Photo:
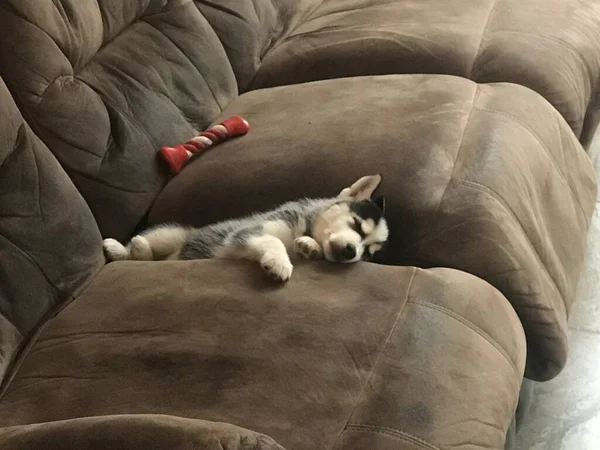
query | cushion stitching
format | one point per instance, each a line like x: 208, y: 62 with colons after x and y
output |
x: 458, y: 151
x: 469, y: 324
x: 190, y: 61
x: 571, y: 50
x: 72, y: 171
x: 18, y: 141
x: 35, y: 263
x: 495, y: 196
x: 383, y: 348
x: 283, y: 39
x: 133, y: 21
x: 226, y: 10
x: 546, y: 151
x: 126, y: 116
x: 15, y: 13
x: 483, y: 32
x: 402, y: 435
x: 39, y: 185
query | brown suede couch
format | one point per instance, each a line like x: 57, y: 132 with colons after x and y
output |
x: 477, y: 113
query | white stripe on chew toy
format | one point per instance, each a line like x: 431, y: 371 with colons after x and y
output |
x: 177, y: 157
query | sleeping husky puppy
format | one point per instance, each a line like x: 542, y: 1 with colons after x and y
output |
x: 344, y: 229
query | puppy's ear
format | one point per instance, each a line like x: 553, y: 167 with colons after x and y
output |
x: 380, y: 202
x: 362, y: 189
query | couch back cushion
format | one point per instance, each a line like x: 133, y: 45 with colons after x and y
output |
x: 50, y: 245
x: 249, y: 29
x: 106, y: 83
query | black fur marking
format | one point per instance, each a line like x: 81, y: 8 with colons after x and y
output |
x: 367, y: 209
x: 356, y: 226
x: 380, y: 202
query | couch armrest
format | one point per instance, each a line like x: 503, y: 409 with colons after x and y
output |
x: 49, y: 241
x: 447, y: 372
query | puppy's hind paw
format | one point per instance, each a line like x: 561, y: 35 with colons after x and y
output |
x: 277, y: 267
x: 308, y: 248
x: 114, y: 250
x: 140, y: 249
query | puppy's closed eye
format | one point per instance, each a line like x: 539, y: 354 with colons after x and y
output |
x: 357, y: 226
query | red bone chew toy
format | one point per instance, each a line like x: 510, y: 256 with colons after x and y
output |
x: 176, y: 157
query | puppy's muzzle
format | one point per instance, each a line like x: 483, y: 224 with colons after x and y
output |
x: 342, y: 253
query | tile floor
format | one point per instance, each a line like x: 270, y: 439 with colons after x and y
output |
x: 566, y: 411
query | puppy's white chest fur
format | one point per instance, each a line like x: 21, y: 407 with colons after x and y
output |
x: 282, y: 231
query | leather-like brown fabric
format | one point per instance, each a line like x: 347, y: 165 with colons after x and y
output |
x: 248, y: 29
x: 387, y: 353
x: 106, y: 83
x: 50, y: 245
x: 133, y: 432
x: 551, y: 46
x: 472, y: 173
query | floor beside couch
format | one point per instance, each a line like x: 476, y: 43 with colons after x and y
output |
x: 565, y: 414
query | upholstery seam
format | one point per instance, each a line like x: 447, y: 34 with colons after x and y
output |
x: 500, y: 200
x: 105, y: 101
x: 39, y: 185
x: 210, y: 89
x: 225, y: 48
x: 282, y: 40
x: 383, y: 349
x: 36, y: 264
x: 32, y: 337
x: 470, y: 325
x: 360, y: 9
x: 458, y: 151
x: 567, y: 47
x: 14, y: 147
x: 133, y: 21
x: 224, y: 9
x: 102, y: 182
x: 548, y: 154
x: 28, y: 343
x: 483, y: 33
x: 393, y: 432
x: 25, y: 19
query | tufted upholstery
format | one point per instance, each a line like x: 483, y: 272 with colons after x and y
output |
x: 551, y: 46
x: 105, y: 84
x: 42, y: 220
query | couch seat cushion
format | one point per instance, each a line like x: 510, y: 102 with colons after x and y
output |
x: 488, y: 179
x: 551, y: 46
x: 341, y: 354
x: 133, y: 432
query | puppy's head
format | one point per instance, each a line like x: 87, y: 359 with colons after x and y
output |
x: 354, y: 228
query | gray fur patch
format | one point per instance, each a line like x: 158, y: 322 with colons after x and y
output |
x: 203, y: 243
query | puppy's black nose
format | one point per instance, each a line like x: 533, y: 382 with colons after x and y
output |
x: 349, y: 251
x: 344, y: 253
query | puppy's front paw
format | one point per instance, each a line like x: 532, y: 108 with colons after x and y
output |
x: 277, y: 267
x: 308, y: 248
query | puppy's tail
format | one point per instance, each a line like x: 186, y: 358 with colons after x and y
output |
x: 159, y: 243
